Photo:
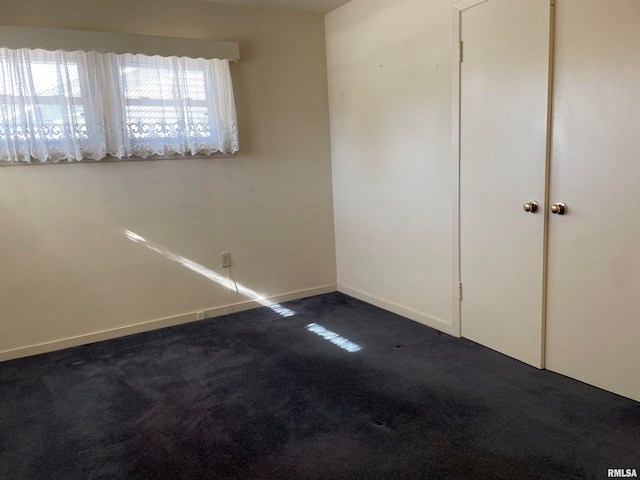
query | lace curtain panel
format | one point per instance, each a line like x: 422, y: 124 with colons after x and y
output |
x: 87, y: 105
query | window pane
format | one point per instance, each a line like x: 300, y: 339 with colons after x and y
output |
x: 195, y: 84
x: 158, y: 82
x: 41, y: 79
x: 78, y: 102
x: 165, y: 100
x: 50, y: 79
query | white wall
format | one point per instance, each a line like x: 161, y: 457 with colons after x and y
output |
x: 67, y: 270
x: 390, y: 108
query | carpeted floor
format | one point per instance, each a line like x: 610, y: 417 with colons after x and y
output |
x: 259, y: 395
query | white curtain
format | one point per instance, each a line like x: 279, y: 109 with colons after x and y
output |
x: 75, y: 105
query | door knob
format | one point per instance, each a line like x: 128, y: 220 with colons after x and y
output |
x: 531, y: 207
x: 559, y: 208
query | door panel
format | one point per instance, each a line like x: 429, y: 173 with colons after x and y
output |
x: 593, y: 317
x: 503, y: 138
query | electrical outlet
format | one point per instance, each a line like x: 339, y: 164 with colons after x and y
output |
x: 200, y: 316
x: 225, y: 259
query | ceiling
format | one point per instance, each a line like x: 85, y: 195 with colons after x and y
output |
x: 319, y: 6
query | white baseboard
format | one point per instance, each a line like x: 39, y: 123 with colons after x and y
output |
x: 156, y: 324
x: 428, y: 320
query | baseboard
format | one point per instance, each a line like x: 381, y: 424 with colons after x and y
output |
x: 156, y: 324
x: 428, y: 320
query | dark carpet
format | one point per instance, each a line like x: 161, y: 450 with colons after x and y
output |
x: 257, y: 395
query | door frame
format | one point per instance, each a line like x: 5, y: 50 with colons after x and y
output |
x: 457, y: 53
x: 457, y: 8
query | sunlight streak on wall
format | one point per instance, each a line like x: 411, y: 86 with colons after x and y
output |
x: 211, y: 275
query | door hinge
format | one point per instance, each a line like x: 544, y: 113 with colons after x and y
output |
x: 460, y: 291
x: 461, y: 50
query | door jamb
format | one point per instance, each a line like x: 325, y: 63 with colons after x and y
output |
x: 458, y: 8
x: 547, y: 179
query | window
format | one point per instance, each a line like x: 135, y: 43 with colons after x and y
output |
x: 77, y: 105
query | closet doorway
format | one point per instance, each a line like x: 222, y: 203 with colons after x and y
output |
x: 504, y: 92
x: 557, y: 286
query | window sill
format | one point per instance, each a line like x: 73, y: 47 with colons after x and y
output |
x: 110, y: 159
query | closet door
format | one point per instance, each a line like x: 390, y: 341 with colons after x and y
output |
x: 503, y: 142
x: 593, y: 319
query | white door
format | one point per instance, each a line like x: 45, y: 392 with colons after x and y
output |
x: 503, y: 141
x: 593, y: 321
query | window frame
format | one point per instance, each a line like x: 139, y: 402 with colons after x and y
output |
x: 118, y: 43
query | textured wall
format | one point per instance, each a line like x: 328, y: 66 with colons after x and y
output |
x: 67, y: 268
x: 390, y: 104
